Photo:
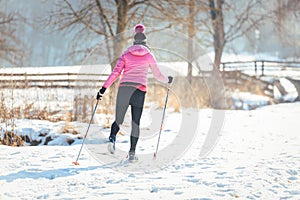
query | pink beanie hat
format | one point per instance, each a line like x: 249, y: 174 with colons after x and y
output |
x: 139, y: 28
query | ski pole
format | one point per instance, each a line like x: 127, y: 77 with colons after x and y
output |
x: 162, y: 121
x: 76, y: 162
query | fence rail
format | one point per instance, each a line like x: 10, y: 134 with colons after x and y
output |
x: 91, y: 79
x: 53, y: 80
x: 264, y: 67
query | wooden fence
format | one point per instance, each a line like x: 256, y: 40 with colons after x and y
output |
x: 51, y: 80
x: 90, y: 80
x: 264, y: 67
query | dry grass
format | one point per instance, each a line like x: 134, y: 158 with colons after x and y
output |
x: 184, y: 93
x: 68, y: 128
x: 12, y: 139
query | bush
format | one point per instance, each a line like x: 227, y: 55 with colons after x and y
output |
x: 12, y: 139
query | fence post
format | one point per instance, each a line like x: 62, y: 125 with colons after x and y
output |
x: 68, y: 79
x: 255, y: 68
x: 262, y: 68
x: 25, y: 80
x: 223, y: 66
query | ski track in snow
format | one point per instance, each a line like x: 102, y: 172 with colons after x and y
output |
x: 256, y: 157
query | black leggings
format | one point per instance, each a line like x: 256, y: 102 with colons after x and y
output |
x: 135, y: 98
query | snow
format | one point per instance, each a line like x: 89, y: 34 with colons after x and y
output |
x: 203, y: 154
x: 248, y: 101
x: 256, y: 156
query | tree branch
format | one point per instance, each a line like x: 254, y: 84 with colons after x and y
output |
x: 104, y: 17
x: 80, y: 19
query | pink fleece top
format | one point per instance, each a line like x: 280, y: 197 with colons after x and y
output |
x: 133, y: 66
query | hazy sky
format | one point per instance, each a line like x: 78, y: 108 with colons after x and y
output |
x: 46, y: 48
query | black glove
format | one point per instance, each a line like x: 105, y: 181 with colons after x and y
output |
x: 170, y: 79
x: 100, y: 93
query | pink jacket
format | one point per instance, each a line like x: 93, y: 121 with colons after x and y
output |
x: 134, y: 64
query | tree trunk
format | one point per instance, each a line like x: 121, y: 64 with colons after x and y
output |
x: 218, y: 29
x: 191, y: 34
x: 218, y: 99
x: 119, y: 40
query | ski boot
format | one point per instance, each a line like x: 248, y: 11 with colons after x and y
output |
x: 132, y: 157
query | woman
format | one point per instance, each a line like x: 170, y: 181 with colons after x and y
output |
x: 133, y: 66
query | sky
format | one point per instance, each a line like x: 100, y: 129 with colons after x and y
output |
x: 48, y: 48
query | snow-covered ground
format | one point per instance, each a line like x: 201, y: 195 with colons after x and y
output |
x: 257, y: 156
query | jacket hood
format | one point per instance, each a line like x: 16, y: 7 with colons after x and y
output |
x: 138, y: 50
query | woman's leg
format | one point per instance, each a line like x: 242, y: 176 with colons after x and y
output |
x: 136, y: 113
x: 122, y: 104
x: 120, y: 115
x: 137, y: 104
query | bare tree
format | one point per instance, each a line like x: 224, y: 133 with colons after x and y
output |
x: 191, y: 33
x: 11, y: 48
x: 212, y: 23
x: 182, y: 16
x: 286, y: 21
x: 217, y: 20
x: 231, y: 20
x: 88, y: 21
